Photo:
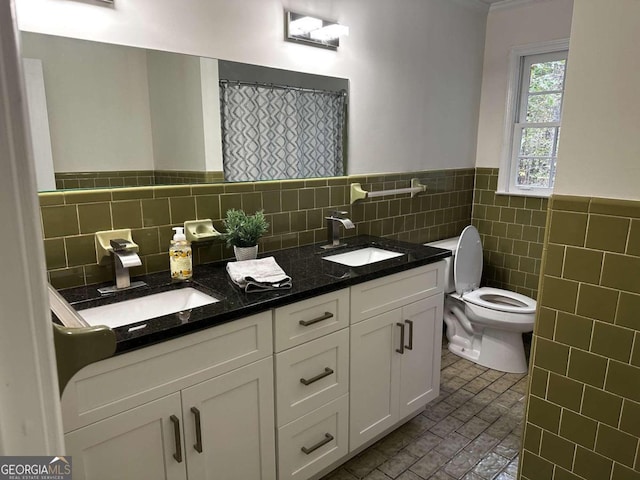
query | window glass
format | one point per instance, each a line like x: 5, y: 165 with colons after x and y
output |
x: 537, y: 127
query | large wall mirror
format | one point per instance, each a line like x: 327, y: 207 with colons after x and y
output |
x: 107, y: 115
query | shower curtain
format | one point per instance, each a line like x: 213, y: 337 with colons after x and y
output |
x: 277, y: 132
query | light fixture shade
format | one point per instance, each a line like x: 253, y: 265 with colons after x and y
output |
x: 313, y: 31
x: 304, y: 25
x: 330, y: 32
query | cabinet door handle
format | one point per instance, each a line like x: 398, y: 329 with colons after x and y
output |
x: 401, y: 349
x: 410, y: 346
x: 326, y: 373
x: 198, y: 444
x: 327, y: 438
x: 176, y: 431
x: 306, y: 323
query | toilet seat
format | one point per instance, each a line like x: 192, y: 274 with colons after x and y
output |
x: 500, y: 300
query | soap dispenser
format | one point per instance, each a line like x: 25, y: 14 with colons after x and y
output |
x: 180, y: 256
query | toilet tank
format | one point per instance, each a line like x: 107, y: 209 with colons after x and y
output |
x: 447, y: 244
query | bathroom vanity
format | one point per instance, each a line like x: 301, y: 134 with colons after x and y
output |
x: 281, y: 384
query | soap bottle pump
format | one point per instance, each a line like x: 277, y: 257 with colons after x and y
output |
x: 180, y: 256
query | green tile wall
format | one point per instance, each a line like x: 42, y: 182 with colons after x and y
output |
x: 133, y: 178
x: 182, y: 177
x: 295, y: 210
x: 583, y: 412
x: 512, y: 229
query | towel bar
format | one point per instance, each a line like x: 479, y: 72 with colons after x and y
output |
x: 357, y: 193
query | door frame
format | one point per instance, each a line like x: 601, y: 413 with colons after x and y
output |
x: 30, y: 417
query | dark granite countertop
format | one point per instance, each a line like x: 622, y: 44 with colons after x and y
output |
x: 311, y: 276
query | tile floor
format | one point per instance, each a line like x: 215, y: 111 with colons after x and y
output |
x: 471, y: 431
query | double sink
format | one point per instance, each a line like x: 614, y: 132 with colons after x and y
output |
x: 144, y: 308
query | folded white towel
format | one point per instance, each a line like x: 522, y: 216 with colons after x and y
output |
x: 258, y: 275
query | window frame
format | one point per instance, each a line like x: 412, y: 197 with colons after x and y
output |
x: 512, y: 123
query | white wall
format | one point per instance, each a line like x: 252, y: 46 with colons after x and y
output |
x: 599, y: 151
x: 211, y: 121
x: 415, y: 69
x: 533, y: 22
x: 98, y: 104
x: 175, y: 97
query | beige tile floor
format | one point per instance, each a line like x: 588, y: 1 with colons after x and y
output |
x: 471, y: 431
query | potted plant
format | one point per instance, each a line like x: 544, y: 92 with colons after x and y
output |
x: 243, y: 231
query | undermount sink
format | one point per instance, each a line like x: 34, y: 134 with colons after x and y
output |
x: 144, y: 308
x: 362, y: 256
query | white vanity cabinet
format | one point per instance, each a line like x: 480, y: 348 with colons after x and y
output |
x: 396, y: 336
x: 197, y: 407
x: 325, y: 376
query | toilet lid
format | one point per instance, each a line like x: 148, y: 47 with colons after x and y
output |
x: 467, y: 264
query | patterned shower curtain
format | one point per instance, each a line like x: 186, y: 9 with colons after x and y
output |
x: 271, y: 133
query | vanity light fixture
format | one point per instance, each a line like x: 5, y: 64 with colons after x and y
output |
x: 314, y: 31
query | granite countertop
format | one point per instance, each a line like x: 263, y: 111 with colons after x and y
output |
x: 311, y: 276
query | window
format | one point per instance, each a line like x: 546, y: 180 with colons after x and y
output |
x: 534, y: 112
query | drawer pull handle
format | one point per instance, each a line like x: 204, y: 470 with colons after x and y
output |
x: 401, y: 349
x: 176, y: 431
x: 327, y: 438
x: 326, y: 373
x: 306, y: 323
x: 410, y: 346
x: 198, y: 444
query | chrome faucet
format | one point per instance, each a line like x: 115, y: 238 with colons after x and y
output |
x: 334, y: 220
x: 123, y: 258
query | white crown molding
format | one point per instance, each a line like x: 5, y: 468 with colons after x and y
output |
x: 504, y: 4
x: 475, y: 4
x: 492, y: 5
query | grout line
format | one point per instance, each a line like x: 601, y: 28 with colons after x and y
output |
x: 626, y: 243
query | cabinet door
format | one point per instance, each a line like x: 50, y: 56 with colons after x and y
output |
x: 236, y: 420
x: 420, y: 366
x: 139, y: 443
x: 375, y: 376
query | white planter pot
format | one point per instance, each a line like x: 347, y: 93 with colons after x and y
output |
x: 245, y: 253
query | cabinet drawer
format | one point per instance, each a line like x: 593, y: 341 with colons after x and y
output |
x: 119, y: 383
x: 310, y: 375
x: 383, y: 294
x: 311, y: 318
x: 323, y: 434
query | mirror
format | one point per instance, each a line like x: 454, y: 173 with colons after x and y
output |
x: 106, y: 115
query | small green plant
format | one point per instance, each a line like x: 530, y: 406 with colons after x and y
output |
x: 244, y: 230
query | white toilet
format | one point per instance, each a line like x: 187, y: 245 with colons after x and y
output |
x: 484, y: 325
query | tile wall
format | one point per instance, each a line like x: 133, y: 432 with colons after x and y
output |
x: 512, y: 229
x: 183, y: 177
x: 295, y: 210
x: 133, y: 178
x: 129, y: 178
x: 583, y: 416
